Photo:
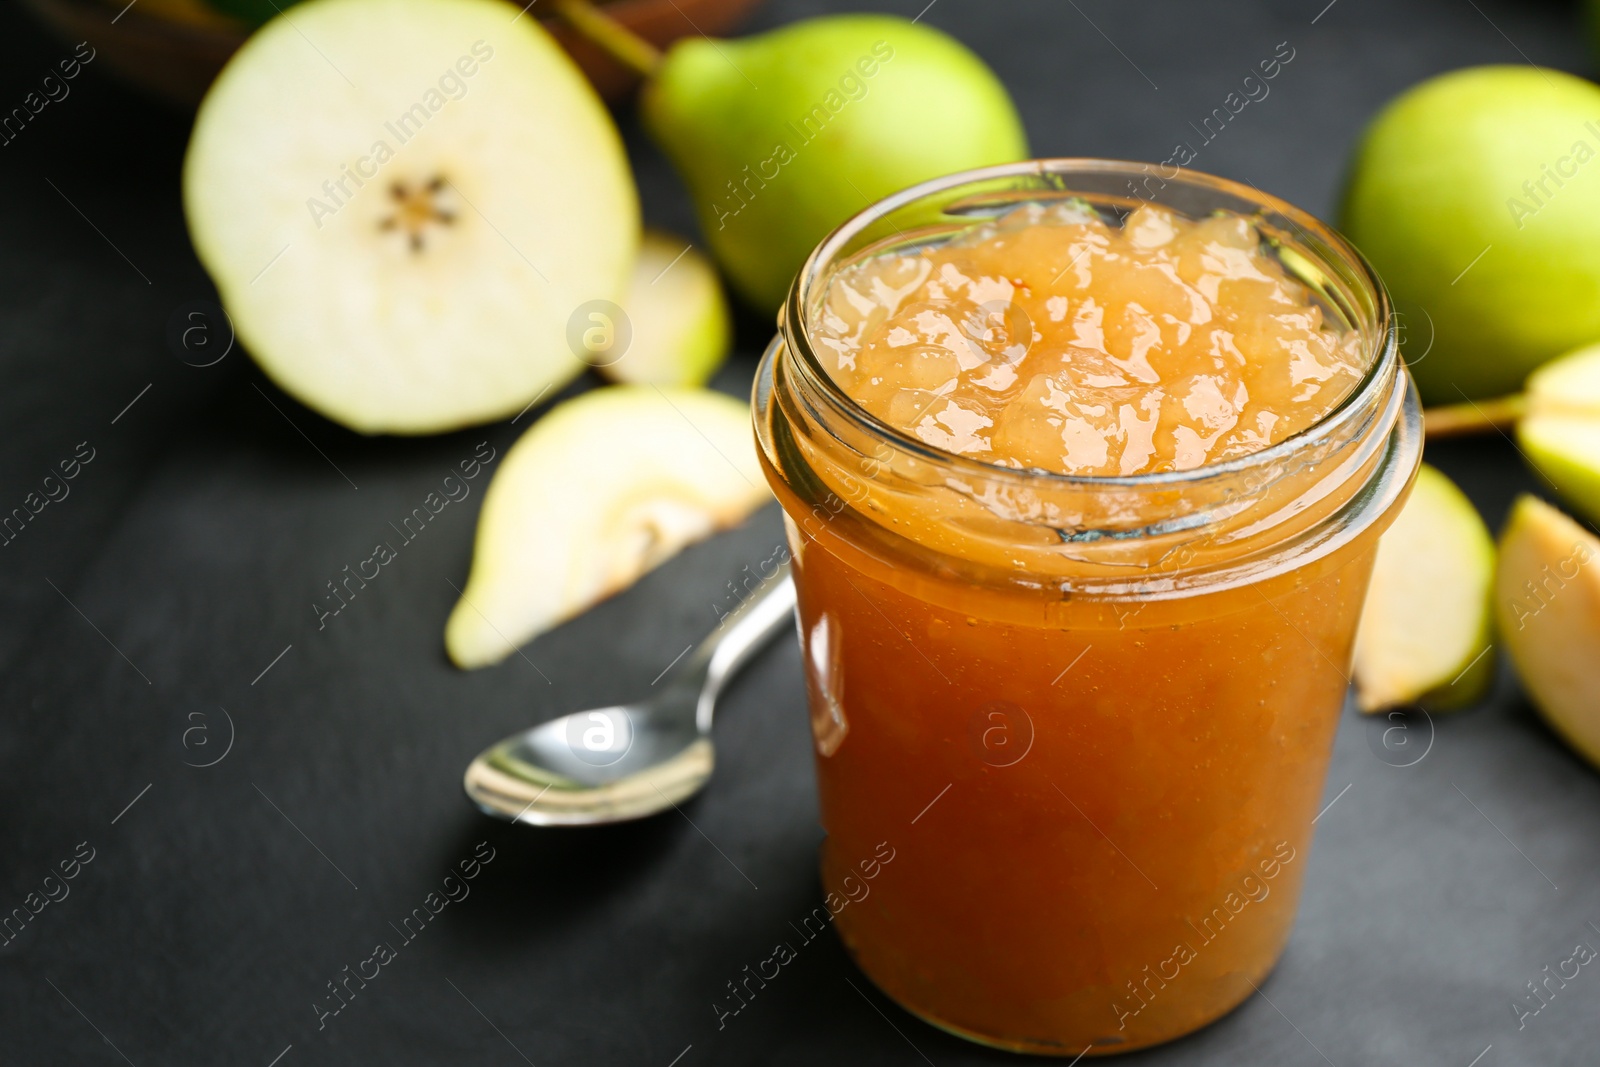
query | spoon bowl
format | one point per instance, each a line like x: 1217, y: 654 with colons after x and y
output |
x: 639, y: 759
x: 627, y: 761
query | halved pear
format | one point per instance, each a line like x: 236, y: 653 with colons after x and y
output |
x: 1427, y: 628
x: 403, y: 203
x: 679, y: 318
x: 1547, y: 598
x: 1560, y: 433
x: 596, y: 493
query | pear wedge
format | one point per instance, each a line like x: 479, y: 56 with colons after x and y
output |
x: 1560, y: 433
x: 679, y: 321
x: 1427, y: 626
x: 596, y: 493
x: 1547, y: 599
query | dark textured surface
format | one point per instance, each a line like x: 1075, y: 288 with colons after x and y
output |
x: 208, y: 923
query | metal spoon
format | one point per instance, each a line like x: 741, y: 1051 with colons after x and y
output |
x: 632, y: 760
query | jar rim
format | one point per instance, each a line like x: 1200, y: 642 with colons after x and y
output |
x: 795, y: 327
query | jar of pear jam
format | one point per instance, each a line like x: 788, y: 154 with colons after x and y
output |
x: 1083, y: 464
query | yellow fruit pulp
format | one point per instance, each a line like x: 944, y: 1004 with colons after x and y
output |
x: 1049, y: 339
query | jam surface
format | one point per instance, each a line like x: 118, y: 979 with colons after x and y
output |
x: 1050, y: 339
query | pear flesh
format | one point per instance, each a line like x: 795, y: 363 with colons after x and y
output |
x: 1547, y: 597
x: 1560, y: 433
x: 403, y: 219
x: 678, y: 321
x: 1426, y: 628
x: 782, y: 136
x: 596, y: 493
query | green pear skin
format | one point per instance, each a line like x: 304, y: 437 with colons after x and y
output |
x: 1476, y: 195
x: 782, y: 136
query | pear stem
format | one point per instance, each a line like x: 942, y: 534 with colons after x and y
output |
x: 610, y: 36
x: 1458, y: 420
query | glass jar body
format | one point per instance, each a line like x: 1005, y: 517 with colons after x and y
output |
x: 1099, y: 831
x: 1094, y: 795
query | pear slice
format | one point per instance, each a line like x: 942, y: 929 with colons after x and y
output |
x: 404, y: 203
x: 678, y: 317
x: 1427, y: 626
x: 1547, y: 598
x: 1561, y: 431
x: 596, y: 493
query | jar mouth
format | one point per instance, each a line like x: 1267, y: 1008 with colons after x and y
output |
x: 1340, y: 274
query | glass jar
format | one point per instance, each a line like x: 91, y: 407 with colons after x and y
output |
x: 1071, y: 732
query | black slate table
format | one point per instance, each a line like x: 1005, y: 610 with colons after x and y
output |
x: 158, y: 618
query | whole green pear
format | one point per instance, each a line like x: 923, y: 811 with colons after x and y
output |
x: 1476, y: 195
x: 782, y: 136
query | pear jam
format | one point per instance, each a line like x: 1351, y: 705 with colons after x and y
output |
x: 1049, y: 339
x: 1075, y: 642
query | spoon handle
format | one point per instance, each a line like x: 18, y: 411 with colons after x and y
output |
x: 742, y: 632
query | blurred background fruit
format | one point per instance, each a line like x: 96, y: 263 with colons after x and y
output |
x: 174, y: 48
x: 1560, y: 432
x: 679, y: 326
x: 1472, y: 196
x: 834, y: 114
